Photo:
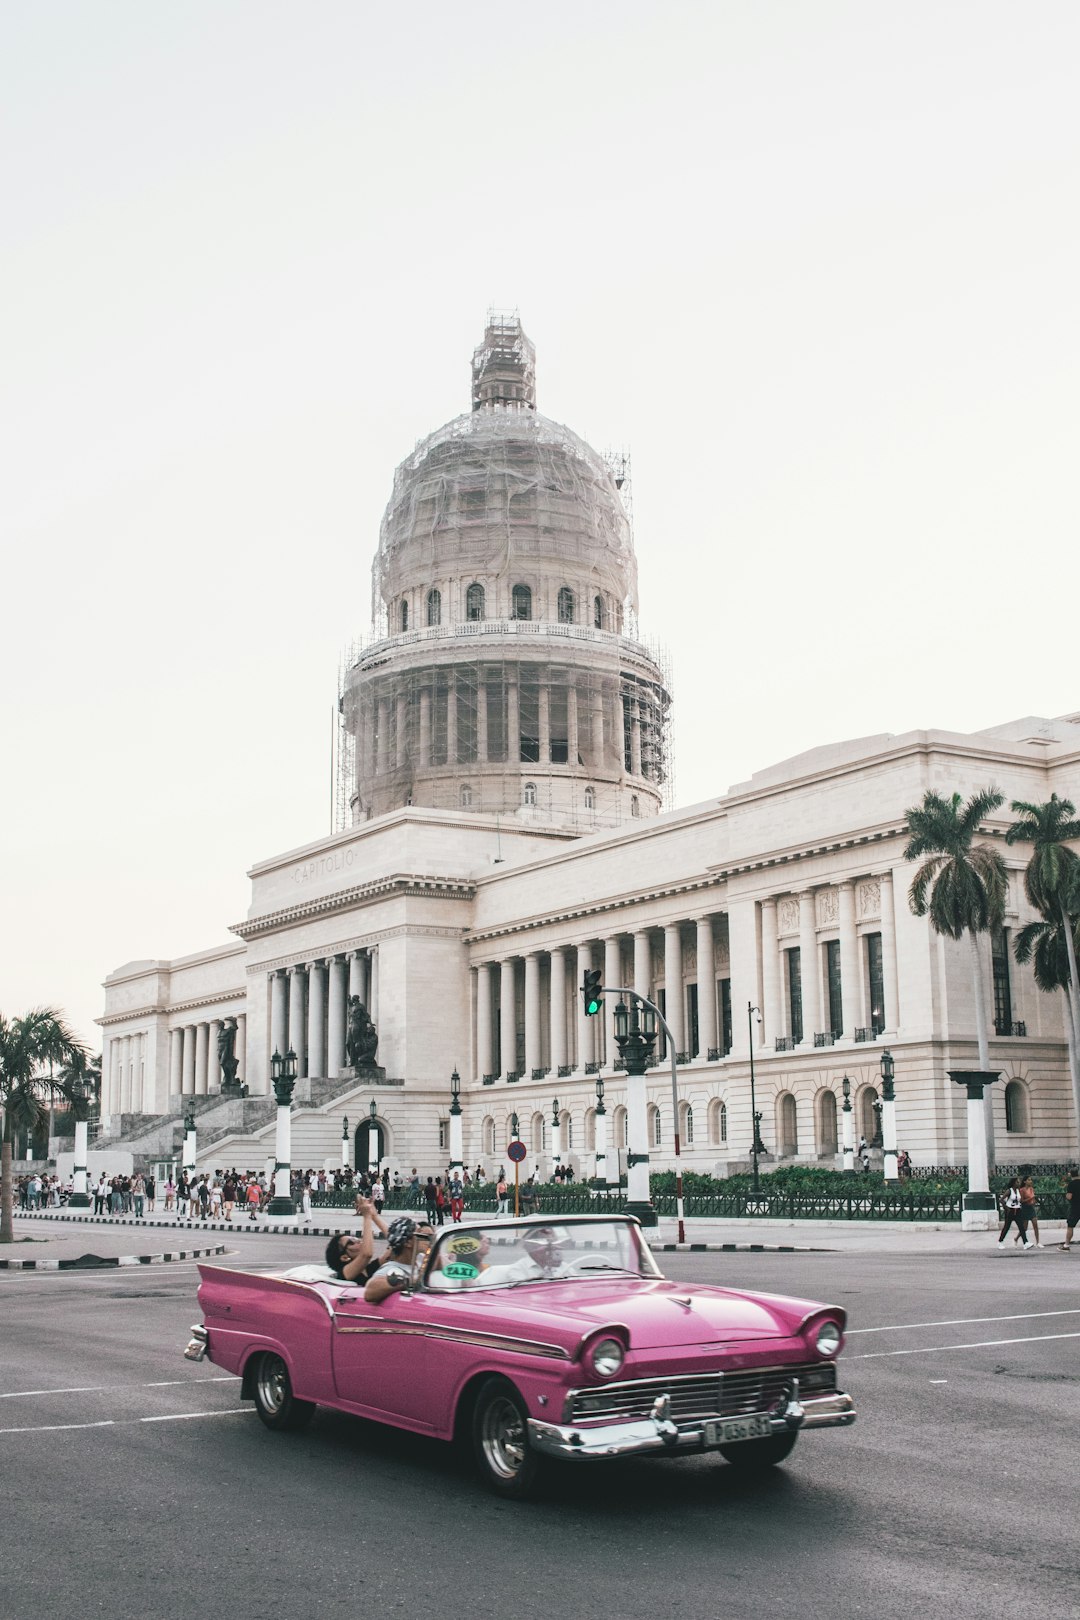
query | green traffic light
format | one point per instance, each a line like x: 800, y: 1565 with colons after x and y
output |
x: 590, y: 990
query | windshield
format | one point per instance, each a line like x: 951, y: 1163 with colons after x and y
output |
x: 504, y: 1254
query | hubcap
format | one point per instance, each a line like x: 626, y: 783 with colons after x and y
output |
x: 503, y: 1438
x: 272, y: 1383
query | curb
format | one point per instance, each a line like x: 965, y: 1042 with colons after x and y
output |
x: 737, y: 1248
x: 98, y: 1262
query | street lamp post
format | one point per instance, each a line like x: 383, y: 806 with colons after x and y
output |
x: 345, y: 1143
x: 283, y: 1075
x: 80, y: 1107
x: 556, y: 1137
x: 635, y: 1036
x: 888, y: 1118
x: 849, y: 1129
x: 751, y: 1011
x: 457, y: 1161
x: 600, y: 1129
x: 515, y: 1136
x: 373, y: 1140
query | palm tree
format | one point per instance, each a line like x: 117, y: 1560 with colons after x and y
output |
x: 962, y: 885
x: 27, y: 1045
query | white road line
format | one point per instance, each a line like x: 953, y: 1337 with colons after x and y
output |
x: 50, y: 1428
x: 961, y: 1321
x: 103, y: 1389
x: 118, y: 1423
x: 74, y: 1389
x: 980, y: 1344
x: 177, y: 1417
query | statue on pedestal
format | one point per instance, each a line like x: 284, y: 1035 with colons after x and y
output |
x: 226, y: 1051
x: 361, y: 1041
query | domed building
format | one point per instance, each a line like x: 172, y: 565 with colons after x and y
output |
x: 510, y: 678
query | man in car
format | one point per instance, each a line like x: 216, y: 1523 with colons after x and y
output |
x: 546, y: 1255
x: 406, y: 1240
x: 351, y: 1257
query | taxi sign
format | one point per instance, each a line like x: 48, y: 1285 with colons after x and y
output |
x: 516, y: 1152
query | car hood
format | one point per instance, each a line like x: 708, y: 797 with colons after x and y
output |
x: 656, y: 1313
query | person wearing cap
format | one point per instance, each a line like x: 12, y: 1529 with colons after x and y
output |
x: 406, y: 1240
x: 545, y: 1256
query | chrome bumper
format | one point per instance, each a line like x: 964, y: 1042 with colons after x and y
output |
x: 198, y: 1344
x: 659, y: 1434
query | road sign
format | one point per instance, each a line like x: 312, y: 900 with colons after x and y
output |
x: 517, y: 1152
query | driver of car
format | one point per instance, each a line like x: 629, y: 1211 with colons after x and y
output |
x: 407, y: 1241
x: 547, y: 1254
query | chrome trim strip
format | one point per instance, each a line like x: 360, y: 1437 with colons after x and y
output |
x: 434, y: 1330
x: 653, y: 1435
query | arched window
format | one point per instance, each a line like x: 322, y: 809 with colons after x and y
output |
x: 466, y: 796
x: 538, y: 1133
x: 566, y: 605
x: 787, y: 1130
x: 521, y: 602
x: 434, y: 607
x: 1016, y: 1107
x: 489, y: 1135
x: 717, y: 1121
x: 826, y: 1121
x: 567, y: 1131
x: 635, y: 807
x: 865, y: 1115
x: 530, y: 793
x: 404, y: 615
x: 590, y: 798
x: 598, y: 612
x: 474, y: 602
x: 655, y: 1133
x: 723, y: 1122
x: 618, y: 1127
x: 686, y: 1124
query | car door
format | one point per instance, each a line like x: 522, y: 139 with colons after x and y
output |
x: 381, y: 1356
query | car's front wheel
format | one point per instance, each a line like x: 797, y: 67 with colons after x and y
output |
x: 271, y: 1389
x: 755, y: 1455
x: 500, y: 1432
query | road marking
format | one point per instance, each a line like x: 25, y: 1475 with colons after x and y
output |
x: 100, y: 1389
x: 962, y: 1321
x: 939, y: 1380
x: 75, y: 1389
x: 118, y: 1423
x: 980, y: 1344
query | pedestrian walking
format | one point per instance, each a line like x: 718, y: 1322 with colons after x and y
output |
x: 1029, y: 1208
x: 1012, y: 1208
x: 501, y: 1194
x: 1072, y: 1214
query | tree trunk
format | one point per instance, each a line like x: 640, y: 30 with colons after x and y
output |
x: 7, y: 1192
x: 1072, y: 1042
x: 1072, y: 997
x: 981, y: 1037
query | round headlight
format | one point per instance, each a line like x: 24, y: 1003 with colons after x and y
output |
x: 827, y: 1342
x: 607, y: 1357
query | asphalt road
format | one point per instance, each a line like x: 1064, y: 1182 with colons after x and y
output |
x: 135, y: 1483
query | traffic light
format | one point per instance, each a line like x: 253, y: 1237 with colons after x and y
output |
x: 591, y: 991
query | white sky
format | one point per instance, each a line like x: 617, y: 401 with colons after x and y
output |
x: 815, y: 263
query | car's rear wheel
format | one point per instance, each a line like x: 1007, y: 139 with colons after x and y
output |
x: 271, y: 1389
x: 500, y: 1431
x: 755, y: 1455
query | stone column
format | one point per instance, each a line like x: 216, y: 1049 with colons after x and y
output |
x: 382, y: 736
x: 481, y: 719
x: 612, y: 976
x: 849, y: 961
x: 771, y: 992
x: 279, y: 1014
x: 513, y: 723
x: 810, y: 966
x: 373, y: 984
x: 425, y: 727
x: 532, y: 1013
x: 335, y: 1054
x: 401, y: 715
x: 316, y: 1021
x: 888, y: 954
x: 356, y: 975
x: 596, y: 728
x: 297, y: 1008
x: 451, y: 719
x: 673, y: 985
x: 188, y: 1061
x: 241, y: 1048
x: 213, y: 1061
x: 642, y: 961
x: 572, y: 747
x: 507, y: 1017
x: 743, y: 945
x: 706, y: 990
x: 557, y: 1011
x: 484, y: 1053
x: 585, y: 1024
x: 176, y: 1062
x: 544, y: 720
x: 201, y: 1065
x: 635, y: 738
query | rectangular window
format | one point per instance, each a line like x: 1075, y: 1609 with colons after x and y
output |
x: 442, y: 1135
x: 999, y: 954
x: 794, y: 979
x: 875, y: 983
x: 692, y: 1020
x: 725, y: 1019
x: 836, y: 1004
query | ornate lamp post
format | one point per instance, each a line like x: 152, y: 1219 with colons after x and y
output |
x: 888, y: 1118
x: 556, y: 1137
x: 600, y: 1127
x: 373, y: 1139
x: 189, y: 1142
x: 345, y: 1142
x: 849, y: 1129
x: 457, y: 1162
x: 80, y: 1107
x: 283, y: 1075
x: 751, y: 1012
x: 635, y: 1036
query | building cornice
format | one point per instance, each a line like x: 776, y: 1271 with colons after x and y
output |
x: 397, y: 885
x: 192, y: 1004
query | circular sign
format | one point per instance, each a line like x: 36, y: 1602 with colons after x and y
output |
x: 516, y: 1152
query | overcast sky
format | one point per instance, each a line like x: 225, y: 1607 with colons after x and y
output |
x: 815, y: 264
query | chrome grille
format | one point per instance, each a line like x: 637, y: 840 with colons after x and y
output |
x: 710, y: 1395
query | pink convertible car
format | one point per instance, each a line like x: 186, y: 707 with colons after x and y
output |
x: 535, y: 1339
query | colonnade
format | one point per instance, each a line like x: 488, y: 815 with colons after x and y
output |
x: 308, y: 1008
x: 703, y: 970
x: 194, y: 1066
x: 126, y: 1074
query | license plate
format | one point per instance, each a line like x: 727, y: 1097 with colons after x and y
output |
x: 722, y: 1433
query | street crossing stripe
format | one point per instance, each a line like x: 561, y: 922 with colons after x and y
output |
x: 961, y: 1321
x: 939, y: 1349
x: 119, y: 1423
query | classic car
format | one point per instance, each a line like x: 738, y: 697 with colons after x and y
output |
x: 534, y: 1339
